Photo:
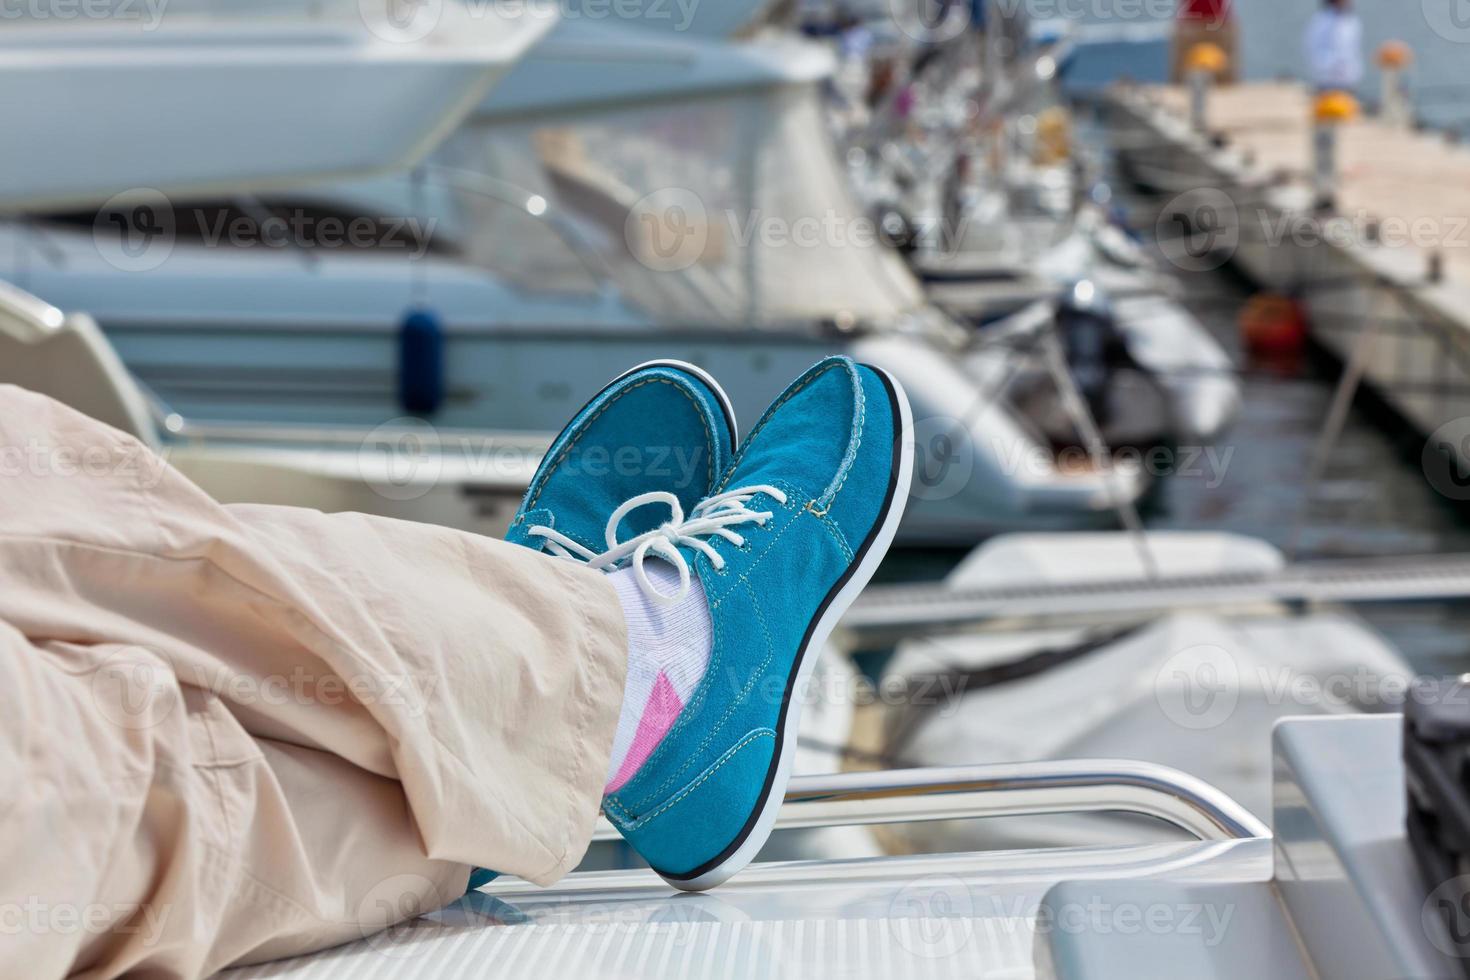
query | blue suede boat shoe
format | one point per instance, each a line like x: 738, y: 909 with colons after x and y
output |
x: 664, y: 426
x: 781, y: 548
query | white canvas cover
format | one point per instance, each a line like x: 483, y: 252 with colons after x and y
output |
x: 723, y: 209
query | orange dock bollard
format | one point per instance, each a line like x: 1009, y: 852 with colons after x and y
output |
x: 1272, y: 325
x: 1335, y: 107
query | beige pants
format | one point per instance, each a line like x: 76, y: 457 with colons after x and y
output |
x: 234, y: 733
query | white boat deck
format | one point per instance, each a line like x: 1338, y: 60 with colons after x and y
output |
x: 963, y: 915
x: 971, y: 915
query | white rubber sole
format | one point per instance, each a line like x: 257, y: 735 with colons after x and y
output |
x: 861, y: 575
x: 709, y: 381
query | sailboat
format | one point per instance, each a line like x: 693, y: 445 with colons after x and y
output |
x: 976, y: 170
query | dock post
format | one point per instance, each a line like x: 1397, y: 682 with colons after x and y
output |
x: 1330, y: 111
x: 1199, y: 87
x: 1203, y: 65
x: 1394, y: 106
x: 1324, y: 166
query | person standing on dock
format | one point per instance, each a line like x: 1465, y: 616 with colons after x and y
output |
x: 1333, y: 47
x: 1202, y: 21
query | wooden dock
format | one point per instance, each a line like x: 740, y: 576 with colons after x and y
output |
x: 1386, y: 172
x: 1390, y: 259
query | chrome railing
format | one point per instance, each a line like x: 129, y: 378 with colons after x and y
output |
x: 1012, y: 790
x: 886, y: 612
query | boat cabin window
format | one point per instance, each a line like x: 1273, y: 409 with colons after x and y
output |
x: 727, y: 209
x: 276, y: 223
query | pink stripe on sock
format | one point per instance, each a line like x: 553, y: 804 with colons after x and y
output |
x: 658, y: 717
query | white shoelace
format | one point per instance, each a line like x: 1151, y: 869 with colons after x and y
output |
x: 714, y: 515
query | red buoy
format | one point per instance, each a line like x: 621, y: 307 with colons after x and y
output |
x: 1273, y: 325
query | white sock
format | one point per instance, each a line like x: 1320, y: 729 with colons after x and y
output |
x: 668, y: 653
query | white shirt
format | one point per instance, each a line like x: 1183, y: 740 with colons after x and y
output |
x: 1333, y: 47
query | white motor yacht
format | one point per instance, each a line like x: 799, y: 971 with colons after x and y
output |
x: 623, y: 194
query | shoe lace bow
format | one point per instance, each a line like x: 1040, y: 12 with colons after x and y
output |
x: 715, y: 516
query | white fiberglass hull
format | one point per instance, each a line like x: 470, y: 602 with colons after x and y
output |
x: 276, y: 339
x: 1162, y: 336
x: 193, y: 97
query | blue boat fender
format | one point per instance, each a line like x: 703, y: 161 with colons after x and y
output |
x: 421, y: 362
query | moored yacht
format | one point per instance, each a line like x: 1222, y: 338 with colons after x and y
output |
x: 623, y: 194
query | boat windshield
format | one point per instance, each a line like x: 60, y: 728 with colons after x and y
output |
x: 727, y: 209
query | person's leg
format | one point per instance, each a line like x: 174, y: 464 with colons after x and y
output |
x: 239, y: 732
